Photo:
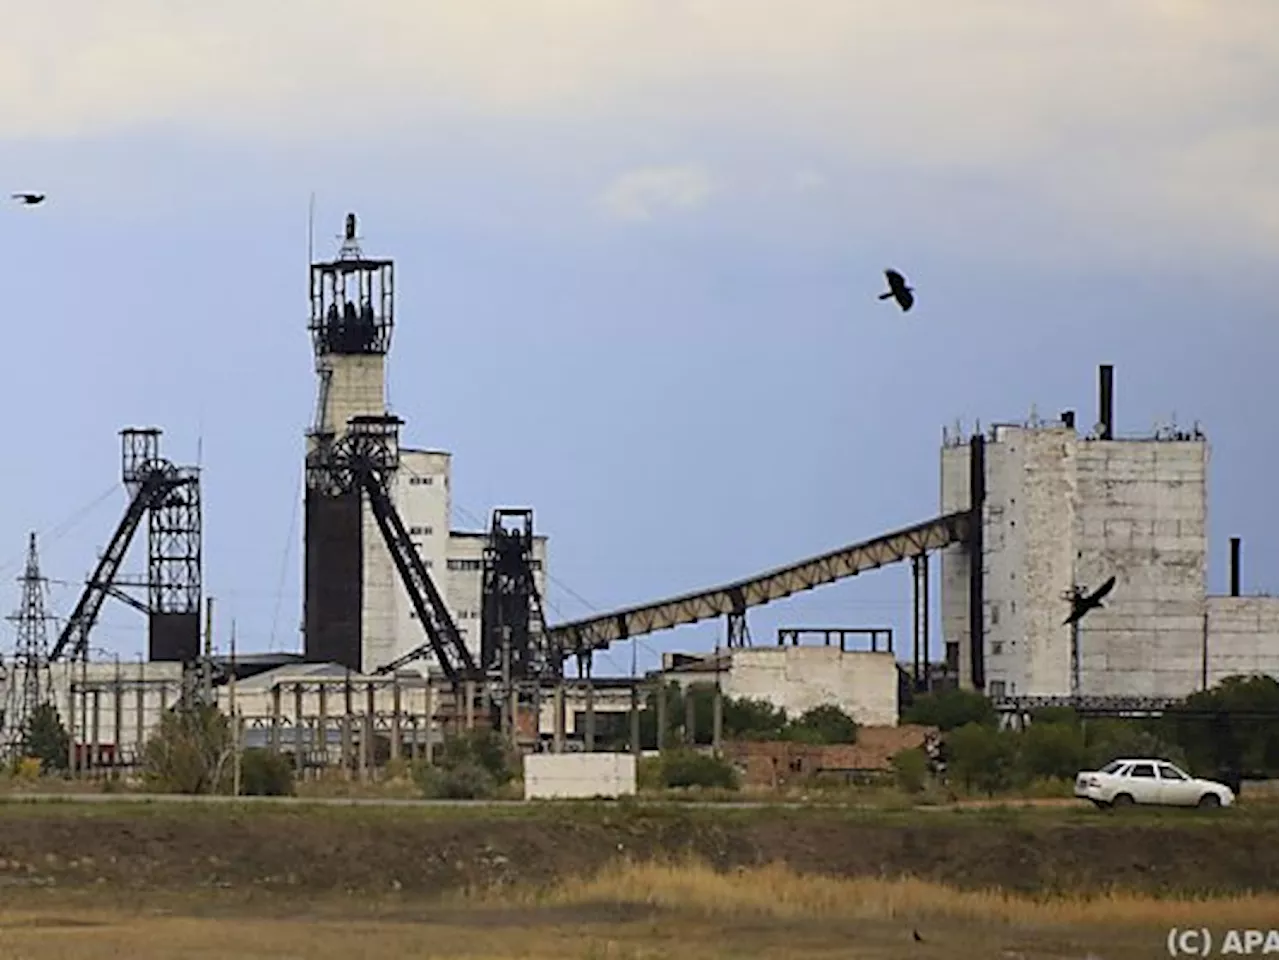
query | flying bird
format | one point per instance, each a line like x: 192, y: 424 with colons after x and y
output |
x: 898, y: 290
x: 1080, y: 605
x: 29, y: 199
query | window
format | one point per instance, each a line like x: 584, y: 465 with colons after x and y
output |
x: 997, y: 689
x: 995, y: 614
x: 421, y: 481
x: 420, y: 531
x: 535, y: 564
x: 1169, y: 772
x: 465, y: 564
x: 997, y: 648
x: 1112, y: 767
x: 1145, y: 770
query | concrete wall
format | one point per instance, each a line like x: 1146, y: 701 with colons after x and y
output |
x: 863, y: 684
x: 1141, y: 517
x: 1244, y: 637
x: 578, y: 775
x: 422, y: 497
x: 954, y: 576
x: 1063, y: 510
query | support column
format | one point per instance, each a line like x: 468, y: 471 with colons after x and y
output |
x: 299, y: 731
x: 920, y: 622
x: 469, y: 691
x: 429, y: 725
x: 690, y: 716
x: 118, y: 732
x: 347, y: 723
x: 557, y: 742
x: 661, y: 697
x: 322, y: 725
x: 368, y: 753
x: 590, y: 735
x: 397, y: 743
x: 140, y: 723
x: 72, y: 758
x: 275, y: 718
x: 635, y: 719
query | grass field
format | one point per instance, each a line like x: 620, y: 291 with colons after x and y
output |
x: 165, y: 879
x: 627, y: 911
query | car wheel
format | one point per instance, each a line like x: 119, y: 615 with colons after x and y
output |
x: 1121, y: 800
x: 1210, y: 801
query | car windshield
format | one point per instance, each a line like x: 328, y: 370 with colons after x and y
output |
x: 1112, y: 767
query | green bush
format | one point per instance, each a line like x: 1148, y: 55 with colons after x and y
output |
x: 687, y: 768
x: 649, y: 773
x: 824, y: 724
x: 983, y: 758
x: 1052, y: 750
x: 191, y: 751
x: 265, y: 774
x: 465, y: 780
x: 44, y: 737
x: 950, y: 710
x: 911, y: 769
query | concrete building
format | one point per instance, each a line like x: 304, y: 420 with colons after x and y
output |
x: 863, y: 683
x: 357, y: 612
x: 1061, y: 510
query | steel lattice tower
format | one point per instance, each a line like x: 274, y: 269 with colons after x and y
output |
x: 29, y: 685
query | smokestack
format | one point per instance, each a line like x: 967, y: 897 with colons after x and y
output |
x: 1106, y: 417
x: 1235, y: 566
x: 1068, y: 418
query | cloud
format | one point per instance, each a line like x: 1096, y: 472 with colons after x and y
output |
x: 640, y: 194
x: 1164, y: 106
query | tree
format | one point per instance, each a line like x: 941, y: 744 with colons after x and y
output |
x: 45, y: 738
x: 950, y: 710
x: 824, y: 724
x: 982, y: 758
x: 1049, y: 749
x: 191, y: 750
x: 1215, y: 740
x: 911, y: 769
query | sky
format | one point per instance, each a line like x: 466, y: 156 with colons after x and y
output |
x: 637, y: 247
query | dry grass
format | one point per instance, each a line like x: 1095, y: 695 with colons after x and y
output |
x: 777, y: 892
x: 628, y: 912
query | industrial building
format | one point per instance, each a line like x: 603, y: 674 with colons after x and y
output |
x: 357, y: 610
x: 1060, y: 513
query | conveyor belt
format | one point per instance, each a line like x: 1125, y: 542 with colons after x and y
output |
x: 599, y: 631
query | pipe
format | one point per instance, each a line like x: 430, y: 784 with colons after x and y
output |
x: 1234, y: 566
x: 1106, y: 397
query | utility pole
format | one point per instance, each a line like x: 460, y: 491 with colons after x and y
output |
x: 29, y: 686
x: 235, y: 717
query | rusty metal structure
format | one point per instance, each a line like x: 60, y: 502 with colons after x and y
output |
x: 168, y: 496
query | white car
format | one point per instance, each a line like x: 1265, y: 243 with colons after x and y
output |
x: 1122, y: 783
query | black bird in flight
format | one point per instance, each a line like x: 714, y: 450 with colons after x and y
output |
x: 29, y: 199
x: 898, y: 290
x: 1080, y: 605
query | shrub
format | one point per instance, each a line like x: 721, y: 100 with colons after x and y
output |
x: 911, y: 769
x: 465, y: 780
x: 649, y: 773
x: 983, y: 758
x: 45, y: 738
x: 190, y: 751
x: 1054, y: 750
x: 27, y: 768
x: 950, y: 710
x: 265, y: 774
x: 687, y: 768
x: 824, y: 724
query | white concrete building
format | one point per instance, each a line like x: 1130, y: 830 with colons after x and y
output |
x: 862, y: 683
x: 1061, y: 509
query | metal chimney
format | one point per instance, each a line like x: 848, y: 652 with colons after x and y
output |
x: 1068, y: 418
x: 1106, y: 415
x: 1234, y: 568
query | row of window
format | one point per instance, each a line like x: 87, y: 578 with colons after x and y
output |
x: 420, y: 531
x: 464, y: 615
x: 469, y: 563
x: 421, y: 481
